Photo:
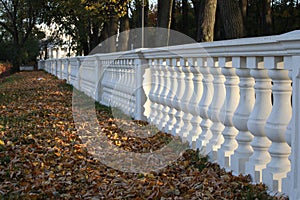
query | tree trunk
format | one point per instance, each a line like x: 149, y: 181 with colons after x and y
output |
x: 165, y: 8
x: 112, y: 33
x: 231, y: 15
x: 197, y: 7
x: 266, y: 24
x: 207, y: 19
x: 124, y: 33
x: 244, y: 8
x: 185, y: 11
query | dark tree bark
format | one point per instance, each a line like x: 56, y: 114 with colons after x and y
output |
x: 197, y: 8
x: 112, y: 33
x: 185, y: 10
x: 266, y: 24
x: 244, y: 8
x: 124, y: 33
x: 206, y: 21
x: 164, y: 20
x: 232, y: 18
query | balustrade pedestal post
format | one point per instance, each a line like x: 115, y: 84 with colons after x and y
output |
x: 140, y: 95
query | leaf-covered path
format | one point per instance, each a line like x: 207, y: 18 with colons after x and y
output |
x: 42, y: 156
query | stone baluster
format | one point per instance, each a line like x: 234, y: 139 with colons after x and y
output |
x: 277, y: 123
x: 127, y: 88
x: 164, y: 94
x: 178, y: 97
x: 159, y: 93
x: 257, y: 120
x: 67, y: 70
x: 205, y: 101
x: 59, y: 68
x: 171, y: 95
x: 241, y: 116
x: 186, y: 98
x: 214, y: 113
x: 193, y: 106
x: 227, y: 111
x: 154, y: 85
x: 133, y: 87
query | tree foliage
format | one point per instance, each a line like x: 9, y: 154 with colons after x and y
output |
x: 18, y: 19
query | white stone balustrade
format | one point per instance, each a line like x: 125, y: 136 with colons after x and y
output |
x: 154, y: 85
x: 240, y: 119
x: 214, y: 111
x: 205, y: 101
x: 276, y: 125
x: 186, y: 98
x: 257, y: 119
x: 164, y: 94
x: 171, y: 95
x: 196, y: 130
x: 227, y: 111
x: 178, y: 97
x: 231, y: 99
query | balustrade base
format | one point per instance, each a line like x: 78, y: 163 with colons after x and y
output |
x: 273, y: 180
x: 224, y: 159
x: 255, y: 171
x: 238, y: 164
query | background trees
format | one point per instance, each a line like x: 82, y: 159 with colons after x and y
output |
x: 90, y: 22
x: 18, y: 20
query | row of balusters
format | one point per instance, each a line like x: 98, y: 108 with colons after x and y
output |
x: 236, y: 110
x: 119, y: 85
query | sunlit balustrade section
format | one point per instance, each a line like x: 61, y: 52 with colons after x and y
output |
x: 178, y: 97
x: 171, y: 95
x: 88, y: 76
x: 193, y: 107
x: 237, y: 101
x: 205, y: 101
x: 277, y: 123
x: 214, y: 109
x: 240, y: 119
x: 154, y: 85
x: 186, y: 99
x: 158, y: 93
x: 166, y: 75
x: 227, y: 111
x: 258, y: 117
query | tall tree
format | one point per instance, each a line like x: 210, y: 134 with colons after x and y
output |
x: 124, y: 33
x: 232, y: 19
x: 244, y: 8
x: 165, y: 8
x: 266, y: 15
x: 19, y: 18
x: 206, y: 20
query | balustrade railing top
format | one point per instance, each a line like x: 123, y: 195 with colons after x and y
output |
x: 231, y: 99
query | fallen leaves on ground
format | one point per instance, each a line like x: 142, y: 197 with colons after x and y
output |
x: 43, y: 157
